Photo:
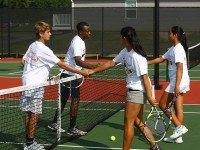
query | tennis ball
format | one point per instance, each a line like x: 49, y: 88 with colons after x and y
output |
x: 112, y: 138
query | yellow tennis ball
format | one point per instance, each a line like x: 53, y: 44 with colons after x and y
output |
x: 112, y: 138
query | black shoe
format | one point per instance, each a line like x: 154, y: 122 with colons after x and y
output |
x: 155, y: 148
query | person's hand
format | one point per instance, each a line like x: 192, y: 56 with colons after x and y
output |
x: 91, y: 72
x: 152, y: 101
x: 177, y: 91
x: 85, y: 73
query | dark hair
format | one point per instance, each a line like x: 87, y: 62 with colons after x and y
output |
x: 80, y: 26
x: 130, y: 34
x: 181, y: 36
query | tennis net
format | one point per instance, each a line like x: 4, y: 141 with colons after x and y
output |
x: 102, y: 95
x: 193, y: 56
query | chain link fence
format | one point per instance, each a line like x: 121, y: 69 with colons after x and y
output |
x: 16, y: 28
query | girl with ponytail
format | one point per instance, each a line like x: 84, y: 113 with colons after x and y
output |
x: 179, y: 81
x: 133, y: 57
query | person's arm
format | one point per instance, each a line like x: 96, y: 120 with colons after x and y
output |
x: 148, y: 90
x: 103, y: 67
x: 22, y: 62
x: 179, y: 75
x: 69, y: 68
x: 83, y: 64
x: 156, y: 60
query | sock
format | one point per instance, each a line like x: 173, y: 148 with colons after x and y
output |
x: 155, y: 146
x: 29, y: 141
x: 72, y: 122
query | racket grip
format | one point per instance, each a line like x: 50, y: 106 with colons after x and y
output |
x: 153, y: 91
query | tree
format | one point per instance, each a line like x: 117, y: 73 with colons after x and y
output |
x: 52, y: 3
x: 35, y: 3
x: 3, y: 3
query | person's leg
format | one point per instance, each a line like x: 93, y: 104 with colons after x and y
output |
x: 165, y: 99
x: 65, y: 93
x: 180, y: 129
x: 75, y: 99
x: 140, y: 125
x: 31, y: 124
x: 131, y: 112
x: 178, y: 107
x: 74, y: 112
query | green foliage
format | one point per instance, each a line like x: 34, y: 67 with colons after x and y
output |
x: 35, y: 3
x: 3, y: 3
x: 20, y: 3
x: 51, y: 3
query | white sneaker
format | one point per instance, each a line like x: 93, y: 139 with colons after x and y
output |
x: 34, y: 146
x: 75, y: 131
x: 178, y: 140
x: 179, y: 131
x: 54, y: 127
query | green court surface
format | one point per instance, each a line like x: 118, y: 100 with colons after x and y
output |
x: 99, y: 137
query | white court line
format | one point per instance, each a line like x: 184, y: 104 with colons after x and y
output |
x: 71, y: 146
x: 16, y: 72
x: 89, y: 147
x: 87, y: 109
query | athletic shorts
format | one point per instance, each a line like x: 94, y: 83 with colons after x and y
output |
x: 66, y: 91
x: 32, y: 100
x: 136, y: 97
x: 170, y: 89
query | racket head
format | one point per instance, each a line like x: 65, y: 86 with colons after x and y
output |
x: 155, y: 127
x: 168, y: 113
x: 74, y: 83
x: 56, y: 77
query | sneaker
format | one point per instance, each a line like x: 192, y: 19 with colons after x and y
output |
x: 178, y: 140
x: 155, y: 148
x: 179, y: 131
x: 76, y: 131
x: 34, y: 146
x: 54, y: 127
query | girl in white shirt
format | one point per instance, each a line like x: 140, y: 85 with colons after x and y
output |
x: 138, y: 84
x: 179, y: 80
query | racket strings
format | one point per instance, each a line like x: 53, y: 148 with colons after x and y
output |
x: 157, y: 127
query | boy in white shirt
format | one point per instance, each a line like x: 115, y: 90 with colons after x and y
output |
x: 38, y: 61
x: 75, y: 57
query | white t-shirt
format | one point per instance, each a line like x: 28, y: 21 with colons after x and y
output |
x: 177, y: 54
x: 76, y: 48
x: 38, y: 61
x: 135, y: 66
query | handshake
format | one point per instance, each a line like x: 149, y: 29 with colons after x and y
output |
x: 88, y: 72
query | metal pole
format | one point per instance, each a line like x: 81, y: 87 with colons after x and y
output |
x: 156, y: 45
x: 102, y: 51
x: 9, y: 21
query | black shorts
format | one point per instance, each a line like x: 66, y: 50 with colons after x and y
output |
x: 65, y: 87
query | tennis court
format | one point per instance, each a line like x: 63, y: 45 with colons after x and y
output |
x: 99, y: 137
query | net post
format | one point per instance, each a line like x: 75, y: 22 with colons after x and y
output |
x: 59, y: 113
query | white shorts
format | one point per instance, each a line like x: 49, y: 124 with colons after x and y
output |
x: 136, y: 97
x: 32, y: 101
x: 183, y: 89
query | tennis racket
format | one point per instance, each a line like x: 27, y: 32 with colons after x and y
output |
x: 155, y: 126
x: 71, y: 83
x: 56, y: 77
x: 168, y: 112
